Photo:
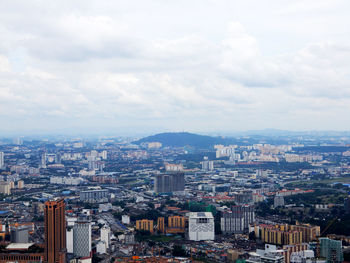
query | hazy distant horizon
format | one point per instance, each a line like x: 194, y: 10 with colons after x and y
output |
x: 90, y: 66
x: 140, y: 134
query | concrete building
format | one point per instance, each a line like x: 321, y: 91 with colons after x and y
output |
x: 20, y: 184
x: 169, y: 183
x: 105, y: 234
x: 207, y: 165
x: 278, y: 201
x: 69, y: 237
x: 55, y: 231
x: 238, y: 219
x: 232, y: 223
x: 82, y: 239
x: 2, y: 161
x: 126, y: 219
x: 331, y: 250
x: 161, y: 225
x: 176, y: 224
x: 305, y: 256
x: 5, y: 188
x: 19, y: 234
x: 101, y: 248
x: 244, y: 197
x: 94, y: 195
x: 66, y: 180
x: 144, y: 225
x: 201, y: 226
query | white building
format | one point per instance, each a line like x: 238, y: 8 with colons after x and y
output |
x: 66, y: 180
x: 201, y: 226
x: 105, y: 233
x: 69, y: 240
x: 126, y: 219
x: 207, y: 165
x: 305, y: 256
x: 101, y: 248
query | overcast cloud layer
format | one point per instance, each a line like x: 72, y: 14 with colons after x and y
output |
x: 163, y: 65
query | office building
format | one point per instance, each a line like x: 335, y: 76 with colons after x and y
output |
x: 82, y: 239
x: 94, y: 195
x: 331, y: 250
x: 2, y: 161
x: 201, y: 226
x: 55, y: 232
x: 144, y: 225
x: 169, y: 183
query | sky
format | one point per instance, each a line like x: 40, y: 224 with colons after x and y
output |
x: 92, y: 66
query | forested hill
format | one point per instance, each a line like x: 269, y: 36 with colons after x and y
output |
x: 181, y: 139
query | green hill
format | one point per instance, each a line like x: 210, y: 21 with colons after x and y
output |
x: 181, y: 139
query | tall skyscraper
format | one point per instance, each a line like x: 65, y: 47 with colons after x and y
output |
x: 2, y: 162
x: 169, y: 183
x: 55, y: 232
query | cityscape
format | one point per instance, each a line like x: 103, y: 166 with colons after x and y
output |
x: 176, y: 196
x: 193, y: 131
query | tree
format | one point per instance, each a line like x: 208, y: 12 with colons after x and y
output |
x: 178, y: 251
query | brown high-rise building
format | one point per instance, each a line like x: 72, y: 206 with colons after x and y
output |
x: 55, y: 232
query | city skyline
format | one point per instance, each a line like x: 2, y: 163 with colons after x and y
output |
x: 154, y: 66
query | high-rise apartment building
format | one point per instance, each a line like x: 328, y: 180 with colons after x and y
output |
x: 176, y: 224
x: 145, y: 225
x: 161, y: 225
x: 2, y: 162
x: 238, y: 219
x: 55, y: 232
x: 207, y: 165
x: 5, y: 188
x: 244, y: 197
x: 331, y: 250
x: 169, y: 183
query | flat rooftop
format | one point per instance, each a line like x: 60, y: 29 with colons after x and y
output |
x: 16, y: 246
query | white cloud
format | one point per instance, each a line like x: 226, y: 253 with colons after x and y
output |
x: 108, y: 64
